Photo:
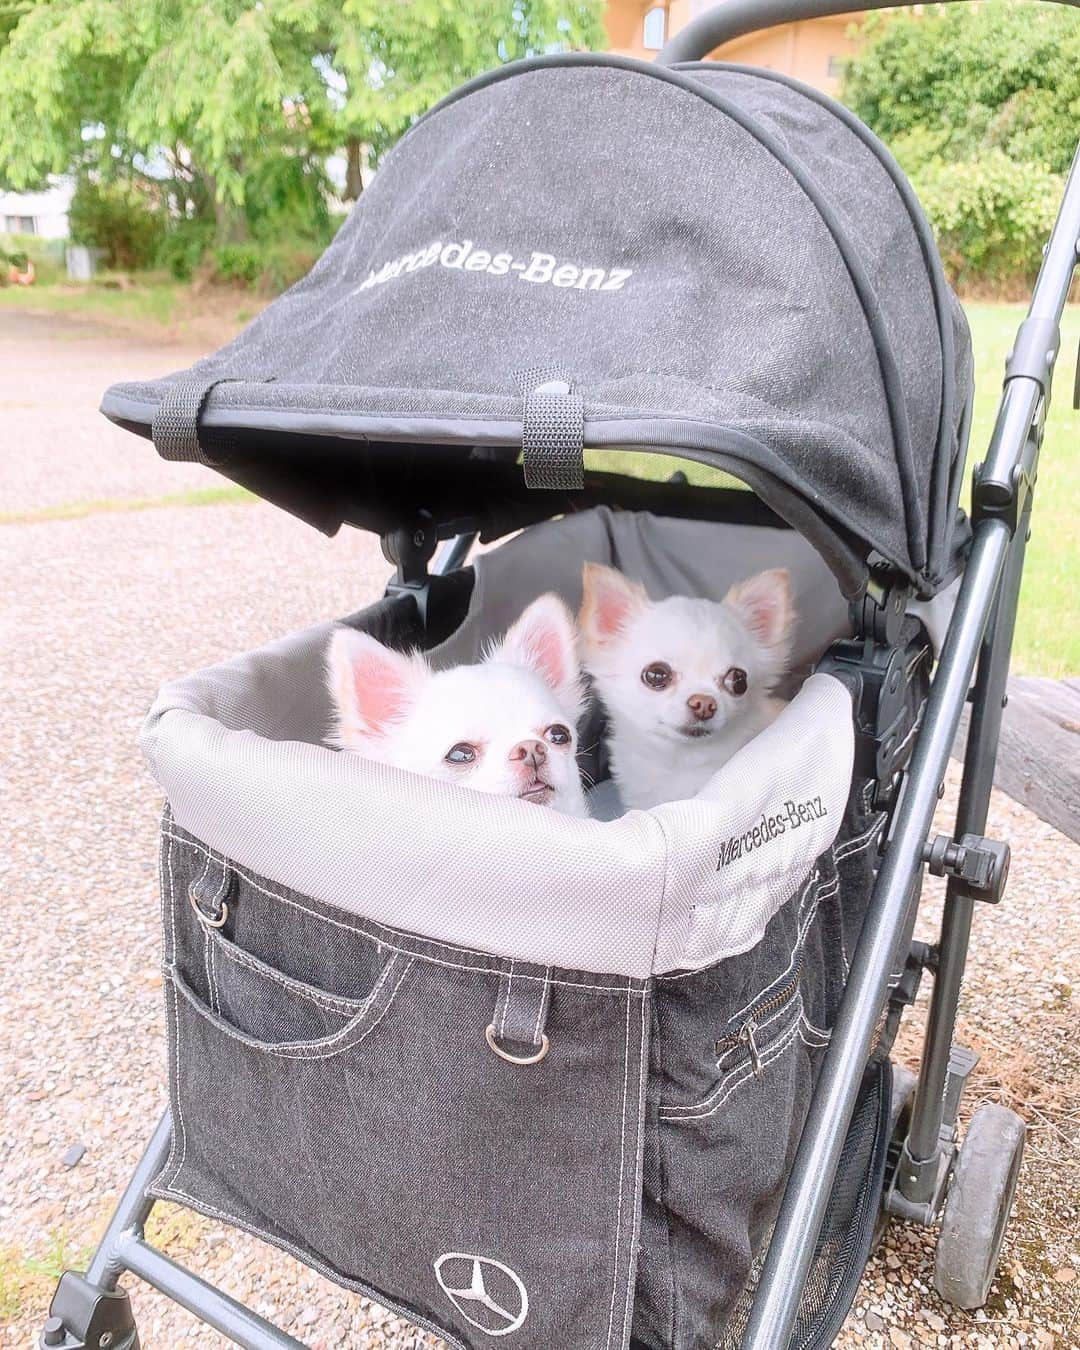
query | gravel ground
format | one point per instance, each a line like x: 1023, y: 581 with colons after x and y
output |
x: 98, y: 611
x: 55, y: 448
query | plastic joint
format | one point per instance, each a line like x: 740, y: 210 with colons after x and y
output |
x: 83, y: 1316
x: 978, y: 866
x: 410, y: 548
x: 1034, y: 352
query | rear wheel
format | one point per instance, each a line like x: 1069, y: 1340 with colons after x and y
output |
x: 978, y: 1206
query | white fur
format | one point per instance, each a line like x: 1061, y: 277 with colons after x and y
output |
x: 392, y: 707
x: 653, y: 760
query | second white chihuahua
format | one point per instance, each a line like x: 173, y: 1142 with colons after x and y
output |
x: 685, y: 682
x: 506, y: 726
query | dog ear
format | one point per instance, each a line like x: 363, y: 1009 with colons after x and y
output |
x: 609, y: 601
x: 544, y: 640
x: 765, y: 605
x: 371, y: 686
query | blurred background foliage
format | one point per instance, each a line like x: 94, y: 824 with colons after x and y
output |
x: 218, y: 140
x: 199, y: 131
x: 981, y: 105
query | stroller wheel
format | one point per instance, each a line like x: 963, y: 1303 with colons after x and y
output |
x: 978, y: 1205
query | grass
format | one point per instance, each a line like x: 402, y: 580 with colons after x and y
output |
x: 27, y: 1281
x: 154, y: 306
x: 157, y: 302
x: 1047, y: 631
x: 106, y: 505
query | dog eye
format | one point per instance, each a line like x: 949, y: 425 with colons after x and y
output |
x: 558, y: 734
x: 657, y: 676
x: 462, y: 753
x: 735, y: 681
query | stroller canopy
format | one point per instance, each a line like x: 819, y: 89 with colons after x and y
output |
x: 708, y: 261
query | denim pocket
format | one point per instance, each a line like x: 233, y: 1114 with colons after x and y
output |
x: 259, y: 1007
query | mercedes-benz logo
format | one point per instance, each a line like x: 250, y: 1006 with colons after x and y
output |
x: 489, y: 1295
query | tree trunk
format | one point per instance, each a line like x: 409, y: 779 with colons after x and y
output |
x: 354, y: 183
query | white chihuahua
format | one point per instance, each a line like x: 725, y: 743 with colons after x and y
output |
x: 506, y: 726
x: 685, y: 682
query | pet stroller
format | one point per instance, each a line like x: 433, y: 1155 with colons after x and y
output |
x: 562, y: 1081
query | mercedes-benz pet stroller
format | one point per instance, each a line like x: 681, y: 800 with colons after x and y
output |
x: 562, y: 1081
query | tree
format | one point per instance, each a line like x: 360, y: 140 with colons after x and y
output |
x: 202, y: 95
x: 388, y: 63
x: 962, y: 79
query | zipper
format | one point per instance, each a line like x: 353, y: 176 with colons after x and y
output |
x: 745, y: 1033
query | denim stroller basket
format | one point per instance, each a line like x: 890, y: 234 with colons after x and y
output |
x: 409, y: 1025
x: 561, y: 1081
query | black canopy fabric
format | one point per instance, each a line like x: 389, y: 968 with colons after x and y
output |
x: 710, y: 261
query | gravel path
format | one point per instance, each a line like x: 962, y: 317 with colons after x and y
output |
x: 97, y: 612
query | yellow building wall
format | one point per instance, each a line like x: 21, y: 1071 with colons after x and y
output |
x: 812, y: 50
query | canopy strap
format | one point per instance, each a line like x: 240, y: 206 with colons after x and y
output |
x: 175, y: 429
x: 552, y: 431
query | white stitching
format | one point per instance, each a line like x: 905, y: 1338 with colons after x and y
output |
x: 774, y: 1052
x: 626, y: 985
x: 808, y: 885
x: 542, y: 1009
x: 637, y: 1176
x: 374, y: 923
x: 859, y: 841
x: 784, y: 1011
x: 167, y: 1191
x: 622, y: 1168
x: 316, y: 1050
x: 507, y: 989
x: 331, y: 1002
x: 823, y: 1037
x: 176, y: 1032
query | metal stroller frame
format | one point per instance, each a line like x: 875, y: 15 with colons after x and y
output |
x: 91, y: 1311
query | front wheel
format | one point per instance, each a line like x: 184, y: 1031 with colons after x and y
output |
x: 978, y: 1206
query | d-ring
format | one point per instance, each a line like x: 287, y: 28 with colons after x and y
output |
x: 219, y: 922
x: 516, y: 1059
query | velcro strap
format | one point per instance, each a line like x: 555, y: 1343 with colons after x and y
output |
x: 175, y: 427
x: 522, y: 1007
x: 552, y: 431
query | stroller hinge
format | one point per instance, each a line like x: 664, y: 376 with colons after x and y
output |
x: 879, y: 612
x: 410, y: 548
x: 881, y: 678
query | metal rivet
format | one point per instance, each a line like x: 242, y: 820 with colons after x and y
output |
x: 105, y: 1340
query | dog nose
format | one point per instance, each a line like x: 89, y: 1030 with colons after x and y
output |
x: 703, y: 706
x: 533, y: 753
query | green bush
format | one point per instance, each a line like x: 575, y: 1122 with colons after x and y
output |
x: 125, y: 222
x: 980, y: 106
x: 991, y: 216
x: 183, y: 247
x: 1002, y: 75
x: 238, y: 263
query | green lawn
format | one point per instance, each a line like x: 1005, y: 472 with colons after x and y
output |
x: 1048, y: 624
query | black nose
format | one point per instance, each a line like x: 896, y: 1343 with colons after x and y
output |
x: 534, y: 753
x: 703, y: 706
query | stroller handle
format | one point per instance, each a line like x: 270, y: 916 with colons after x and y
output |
x: 736, y: 18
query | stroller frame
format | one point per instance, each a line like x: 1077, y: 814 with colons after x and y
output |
x: 90, y: 1310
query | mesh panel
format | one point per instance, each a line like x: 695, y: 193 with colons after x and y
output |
x: 847, y: 1233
